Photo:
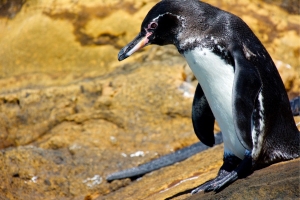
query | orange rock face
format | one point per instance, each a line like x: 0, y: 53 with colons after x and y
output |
x: 70, y: 113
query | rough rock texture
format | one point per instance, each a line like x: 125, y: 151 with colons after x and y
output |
x: 281, y: 182
x: 70, y: 114
x: 292, y: 6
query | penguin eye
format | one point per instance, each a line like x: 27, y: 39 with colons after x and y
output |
x: 152, y: 25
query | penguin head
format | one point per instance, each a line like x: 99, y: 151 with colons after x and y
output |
x: 161, y: 26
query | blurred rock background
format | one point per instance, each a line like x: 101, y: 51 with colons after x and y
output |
x: 70, y: 113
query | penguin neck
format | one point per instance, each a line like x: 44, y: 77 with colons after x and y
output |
x: 216, y: 79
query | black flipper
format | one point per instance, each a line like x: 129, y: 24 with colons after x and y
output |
x: 246, y: 87
x: 203, y: 118
x: 163, y: 161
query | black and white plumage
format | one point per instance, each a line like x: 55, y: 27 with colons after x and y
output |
x: 239, y: 85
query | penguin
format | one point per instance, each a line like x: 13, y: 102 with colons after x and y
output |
x: 239, y: 85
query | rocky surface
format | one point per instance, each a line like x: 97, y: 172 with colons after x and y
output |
x: 70, y: 114
x: 281, y: 182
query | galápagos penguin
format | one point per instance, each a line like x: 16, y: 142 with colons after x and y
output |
x: 239, y: 85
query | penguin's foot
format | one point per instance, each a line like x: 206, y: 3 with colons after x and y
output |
x: 232, y: 169
x: 219, y: 184
x: 209, y: 185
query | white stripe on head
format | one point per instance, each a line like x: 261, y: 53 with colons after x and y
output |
x: 168, y: 13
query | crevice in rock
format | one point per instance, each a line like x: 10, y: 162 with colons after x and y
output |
x: 80, y: 20
x: 10, y: 8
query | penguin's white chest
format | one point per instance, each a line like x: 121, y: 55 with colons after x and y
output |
x: 216, y: 79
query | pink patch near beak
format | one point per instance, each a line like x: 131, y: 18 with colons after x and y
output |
x: 143, y: 42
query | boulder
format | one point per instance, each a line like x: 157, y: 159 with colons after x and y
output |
x: 70, y: 113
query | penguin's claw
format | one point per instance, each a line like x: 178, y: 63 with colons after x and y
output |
x: 195, y: 191
x: 216, y: 184
x: 233, y: 176
x: 204, y: 187
x: 210, y: 185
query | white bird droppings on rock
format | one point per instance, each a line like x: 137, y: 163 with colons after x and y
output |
x: 138, y: 154
x: 91, y: 182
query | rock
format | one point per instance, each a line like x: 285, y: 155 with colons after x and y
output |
x: 173, y: 181
x: 278, y: 181
x: 292, y: 6
x: 75, y: 120
x: 70, y: 113
x: 9, y: 9
x: 290, y: 77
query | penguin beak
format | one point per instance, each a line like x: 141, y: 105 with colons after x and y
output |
x: 137, y: 43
